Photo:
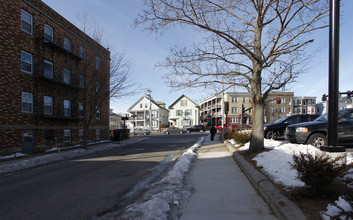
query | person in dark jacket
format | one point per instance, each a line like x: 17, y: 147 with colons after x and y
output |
x: 213, y: 131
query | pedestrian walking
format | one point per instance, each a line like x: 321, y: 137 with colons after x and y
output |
x: 213, y: 131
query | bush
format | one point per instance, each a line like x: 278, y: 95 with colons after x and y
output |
x: 319, y: 172
x: 239, y: 137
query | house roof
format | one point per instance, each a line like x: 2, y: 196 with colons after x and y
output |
x: 182, y: 96
x: 154, y: 102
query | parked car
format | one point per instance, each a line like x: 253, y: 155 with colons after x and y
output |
x: 141, y: 131
x: 174, y: 130
x: 220, y: 127
x: 315, y: 132
x: 277, y: 128
x: 199, y: 128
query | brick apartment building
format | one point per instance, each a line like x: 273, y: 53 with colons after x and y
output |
x: 211, y: 108
x: 45, y: 66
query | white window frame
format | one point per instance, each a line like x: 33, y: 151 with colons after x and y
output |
x: 283, y: 100
x: 48, y: 74
x: 82, y: 81
x: 234, y: 110
x: 27, y: 98
x: 234, y: 99
x: 30, y: 22
x: 67, y: 76
x: 26, y: 60
x: 98, y: 134
x: 282, y: 109
x: 83, y: 52
x: 183, y: 102
x: 98, y: 112
x: 67, y: 108
x: 67, y: 44
x: 98, y: 63
x: 188, y: 112
x: 67, y: 135
x: 48, y: 105
x: 48, y: 36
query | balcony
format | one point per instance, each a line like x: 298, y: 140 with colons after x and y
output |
x: 58, y: 47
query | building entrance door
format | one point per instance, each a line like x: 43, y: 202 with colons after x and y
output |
x: 27, y: 141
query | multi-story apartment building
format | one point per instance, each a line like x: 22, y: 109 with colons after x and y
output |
x: 279, y: 104
x: 44, y: 70
x: 211, y: 110
x: 146, y: 113
x: 305, y: 105
x: 184, y: 112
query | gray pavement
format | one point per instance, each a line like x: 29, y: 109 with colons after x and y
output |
x: 222, y: 191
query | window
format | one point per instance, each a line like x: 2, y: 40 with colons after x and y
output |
x: 83, y: 52
x: 98, y: 62
x: 244, y: 99
x: 155, y: 114
x: 289, y: 110
x: 67, y: 44
x: 179, y: 113
x: 186, y: 122
x: 48, y: 105
x: 188, y: 112
x: 140, y: 105
x: 283, y: 100
x: 183, y: 103
x: 48, y: 69
x: 80, y: 110
x: 273, y: 119
x: 304, y: 111
x: 26, y: 22
x: 234, y: 120
x: 67, y: 108
x: 283, y: 109
x: 146, y: 105
x: 250, y: 119
x: 289, y: 101
x: 272, y: 109
x: 304, y: 103
x: 98, y: 134
x: 27, y: 102
x: 98, y: 112
x: 234, y: 110
x: 98, y: 86
x: 26, y: 62
x: 82, y: 81
x: 48, y: 33
x: 67, y: 135
x: 67, y: 76
x: 234, y: 99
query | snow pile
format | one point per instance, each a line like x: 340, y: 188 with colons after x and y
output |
x: 157, y: 202
x: 276, y: 163
x: 26, y: 163
x: 333, y: 210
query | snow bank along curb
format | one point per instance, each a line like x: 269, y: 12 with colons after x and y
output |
x: 157, y: 202
x: 280, y: 205
x: 7, y: 167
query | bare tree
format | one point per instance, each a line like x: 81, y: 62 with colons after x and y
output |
x: 104, y: 77
x: 258, y: 45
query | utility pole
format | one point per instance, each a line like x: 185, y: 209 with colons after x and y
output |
x: 150, y: 97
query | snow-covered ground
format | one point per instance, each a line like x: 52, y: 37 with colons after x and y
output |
x: 277, y: 162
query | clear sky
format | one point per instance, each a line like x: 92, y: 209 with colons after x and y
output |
x: 146, y: 49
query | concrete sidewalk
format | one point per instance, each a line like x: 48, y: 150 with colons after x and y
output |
x: 222, y: 191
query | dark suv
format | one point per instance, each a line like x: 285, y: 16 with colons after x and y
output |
x: 199, y: 128
x: 315, y: 132
x: 277, y: 128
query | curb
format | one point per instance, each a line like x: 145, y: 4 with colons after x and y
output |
x: 280, y: 205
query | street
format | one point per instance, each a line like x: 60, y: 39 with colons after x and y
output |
x: 83, y: 187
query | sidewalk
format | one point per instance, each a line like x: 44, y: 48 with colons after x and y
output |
x: 222, y: 191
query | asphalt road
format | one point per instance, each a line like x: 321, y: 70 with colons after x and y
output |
x: 81, y: 188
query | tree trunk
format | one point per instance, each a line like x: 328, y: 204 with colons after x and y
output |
x: 257, y: 135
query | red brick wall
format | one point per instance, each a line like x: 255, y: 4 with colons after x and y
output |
x: 13, y: 81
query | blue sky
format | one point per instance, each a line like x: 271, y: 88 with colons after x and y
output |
x: 146, y: 49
